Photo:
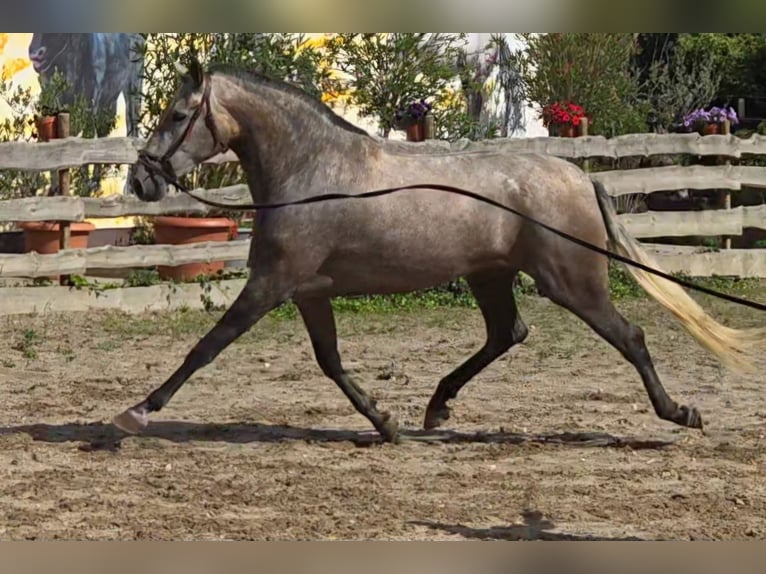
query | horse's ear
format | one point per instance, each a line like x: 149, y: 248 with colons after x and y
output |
x: 196, y: 72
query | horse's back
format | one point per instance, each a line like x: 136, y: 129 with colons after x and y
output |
x: 536, y: 182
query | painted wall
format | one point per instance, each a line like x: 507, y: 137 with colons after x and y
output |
x: 525, y: 119
x: 96, y: 67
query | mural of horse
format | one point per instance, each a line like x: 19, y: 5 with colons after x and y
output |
x: 96, y: 66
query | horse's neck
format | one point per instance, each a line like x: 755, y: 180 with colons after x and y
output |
x: 286, y: 146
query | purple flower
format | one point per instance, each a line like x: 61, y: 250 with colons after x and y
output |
x: 731, y: 115
x: 714, y: 114
x: 699, y: 115
x: 414, y: 110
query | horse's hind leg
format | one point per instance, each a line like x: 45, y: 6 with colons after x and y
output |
x: 318, y: 317
x: 505, y: 328
x: 584, y: 290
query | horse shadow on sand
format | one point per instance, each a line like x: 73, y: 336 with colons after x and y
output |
x: 535, y: 526
x: 105, y: 436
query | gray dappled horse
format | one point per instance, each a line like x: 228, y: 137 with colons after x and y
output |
x: 292, y: 146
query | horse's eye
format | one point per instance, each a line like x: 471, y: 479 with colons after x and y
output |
x: 179, y: 116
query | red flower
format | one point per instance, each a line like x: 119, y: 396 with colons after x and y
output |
x: 562, y: 113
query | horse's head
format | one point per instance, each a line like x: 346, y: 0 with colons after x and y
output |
x: 186, y: 135
x: 45, y: 48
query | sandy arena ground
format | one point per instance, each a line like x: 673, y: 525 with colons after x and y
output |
x: 259, y: 445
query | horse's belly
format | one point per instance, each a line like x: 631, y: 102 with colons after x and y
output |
x: 401, y: 270
x: 406, y: 244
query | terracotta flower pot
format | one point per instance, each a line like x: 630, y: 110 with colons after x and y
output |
x: 567, y: 131
x: 46, y: 128
x: 562, y: 130
x: 711, y: 129
x: 44, y: 236
x: 416, y: 132
x: 183, y: 230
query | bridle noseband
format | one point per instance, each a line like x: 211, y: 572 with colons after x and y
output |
x: 161, y: 165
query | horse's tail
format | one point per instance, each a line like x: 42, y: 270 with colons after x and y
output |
x: 732, y: 347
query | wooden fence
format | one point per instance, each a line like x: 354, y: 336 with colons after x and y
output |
x: 72, y: 152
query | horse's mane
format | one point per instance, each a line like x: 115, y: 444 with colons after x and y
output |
x: 249, y: 79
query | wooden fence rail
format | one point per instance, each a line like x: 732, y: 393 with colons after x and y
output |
x: 81, y: 208
x: 73, y: 152
x: 616, y: 182
x: 694, y: 261
x: 642, y: 225
x: 78, y: 261
x: 630, y: 145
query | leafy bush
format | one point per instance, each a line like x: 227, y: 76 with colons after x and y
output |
x: 689, y: 80
x: 739, y: 59
x: 18, y: 126
x: 383, y: 73
x: 593, y: 70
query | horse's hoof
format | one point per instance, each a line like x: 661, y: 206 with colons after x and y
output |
x: 689, y: 417
x: 435, y: 416
x: 693, y: 418
x: 132, y: 421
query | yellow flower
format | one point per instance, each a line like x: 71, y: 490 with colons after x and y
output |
x: 313, y: 42
x: 3, y: 42
x: 13, y: 67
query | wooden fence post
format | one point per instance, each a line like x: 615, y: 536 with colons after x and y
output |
x: 62, y: 127
x: 727, y: 193
x: 583, y: 131
x: 429, y: 128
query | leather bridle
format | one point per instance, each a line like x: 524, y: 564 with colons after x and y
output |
x: 161, y: 165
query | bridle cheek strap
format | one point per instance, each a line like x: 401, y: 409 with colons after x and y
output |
x: 161, y: 165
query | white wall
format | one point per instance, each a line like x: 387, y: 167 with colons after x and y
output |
x: 529, y: 123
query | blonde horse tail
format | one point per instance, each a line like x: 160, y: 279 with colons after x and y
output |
x: 733, y: 347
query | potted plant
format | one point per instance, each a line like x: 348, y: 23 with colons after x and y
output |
x: 563, y: 118
x: 44, y: 236
x: 216, y: 225
x: 412, y: 118
x: 48, y: 105
x: 185, y: 229
x: 708, y: 122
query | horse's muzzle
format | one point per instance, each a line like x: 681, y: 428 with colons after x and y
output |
x: 147, y: 184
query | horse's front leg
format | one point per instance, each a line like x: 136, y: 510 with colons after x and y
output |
x: 318, y: 317
x: 260, y: 295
